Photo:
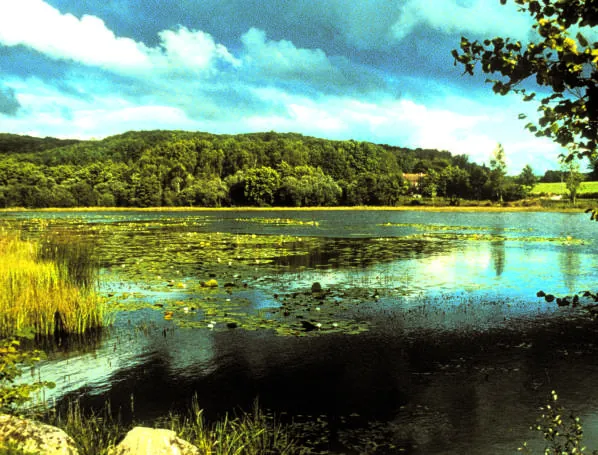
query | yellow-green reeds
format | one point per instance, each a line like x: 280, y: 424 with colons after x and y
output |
x: 37, y: 295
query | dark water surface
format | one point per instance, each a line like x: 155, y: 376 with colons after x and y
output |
x: 431, y: 339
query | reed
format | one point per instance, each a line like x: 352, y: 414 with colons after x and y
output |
x: 94, y: 433
x: 41, y: 296
x: 252, y: 433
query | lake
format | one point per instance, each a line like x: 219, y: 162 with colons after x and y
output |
x: 423, y: 335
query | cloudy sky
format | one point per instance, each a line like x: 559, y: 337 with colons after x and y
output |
x: 375, y: 70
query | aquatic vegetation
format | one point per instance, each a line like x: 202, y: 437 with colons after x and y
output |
x: 38, y: 296
x: 280, y: 221
x: 294, y: 314
x: 448, y: 227
x: 195, y: 276
x: 479, y: 233
x: 209, y: 284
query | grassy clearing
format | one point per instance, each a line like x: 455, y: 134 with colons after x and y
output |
x: 42, y: 296
x: 561, y: 188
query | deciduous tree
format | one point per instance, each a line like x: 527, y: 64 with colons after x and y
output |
x: 559, y: 66
x: 527, y: 177
x: 498, y: 171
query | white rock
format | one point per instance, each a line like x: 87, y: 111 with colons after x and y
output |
x: 36, y: 437
x: 152, y: 441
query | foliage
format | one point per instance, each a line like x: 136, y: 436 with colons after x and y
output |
x: 176, y: 168
x: 498, y: 172
x: 552, y: 176
x: 564, y: 435
x: 564, y: 64
x: 573, y: 179
x: 12, y: 361
x: 527, y: 177
x: 261, y: 185
x: 593, y: 168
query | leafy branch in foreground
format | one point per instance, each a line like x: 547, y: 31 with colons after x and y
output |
x: 12, y: 361
x: 563, y: 67
x: 563, y: 434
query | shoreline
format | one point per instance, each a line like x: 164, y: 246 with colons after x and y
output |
x: 422, y: 208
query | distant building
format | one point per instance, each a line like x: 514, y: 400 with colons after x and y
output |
x: 414, y: 180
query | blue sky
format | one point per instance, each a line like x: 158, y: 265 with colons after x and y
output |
x: 374, y: 70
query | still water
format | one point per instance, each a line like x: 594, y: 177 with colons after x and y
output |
x: 427, y: 338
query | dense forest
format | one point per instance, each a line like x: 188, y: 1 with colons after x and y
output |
x: 177, y: 168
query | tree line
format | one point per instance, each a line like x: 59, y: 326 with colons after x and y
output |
x: 178, y: 168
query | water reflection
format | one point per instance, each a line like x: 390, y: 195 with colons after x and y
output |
x: 459, y: 356
x: 498, y: 256
x: 430, y: 393
x: 569, y: 259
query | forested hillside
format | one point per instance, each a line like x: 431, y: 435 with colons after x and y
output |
x: 177, y: 168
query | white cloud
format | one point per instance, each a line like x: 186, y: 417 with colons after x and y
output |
x: 282, y: 58
x: 194, y: 50
x: 38, y: 25
x: 482, y: 17
x: 46, y: 111
x: 468, y: 128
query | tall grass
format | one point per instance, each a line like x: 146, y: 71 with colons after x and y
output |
x: 42, y: 296
x: 251, y: 433
x: 94, y: 433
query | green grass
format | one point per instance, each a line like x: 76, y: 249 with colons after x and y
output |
x: 561, y: 188
x: 43, y: 296
x: 250, y: 433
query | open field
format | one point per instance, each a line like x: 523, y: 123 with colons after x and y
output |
x: 561, y: 188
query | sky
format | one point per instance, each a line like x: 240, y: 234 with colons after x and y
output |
x: 373, y: 70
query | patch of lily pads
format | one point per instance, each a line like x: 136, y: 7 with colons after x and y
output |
x: 448, y: 232
x: 313, y: 312
x: 280, y: 221
x: 197, y: 278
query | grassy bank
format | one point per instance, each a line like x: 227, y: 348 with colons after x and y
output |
x: 44, y: 295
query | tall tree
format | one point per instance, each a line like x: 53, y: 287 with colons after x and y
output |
x: 527, y: 177
x: 573, y: 179
x: 498, y: 171
x: 566, y: 65
x: 261, y: 185
x: 593, y: 168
